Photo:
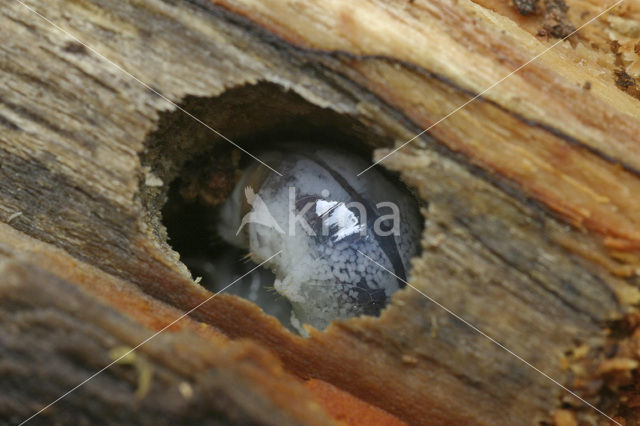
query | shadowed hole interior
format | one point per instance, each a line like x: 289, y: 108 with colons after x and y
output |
x: 191, y: 172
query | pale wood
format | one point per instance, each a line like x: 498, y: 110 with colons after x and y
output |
x: 532, y: 230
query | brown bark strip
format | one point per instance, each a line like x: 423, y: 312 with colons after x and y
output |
x: 56, y: 333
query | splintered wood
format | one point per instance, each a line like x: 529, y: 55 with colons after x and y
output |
x: 529, y: 187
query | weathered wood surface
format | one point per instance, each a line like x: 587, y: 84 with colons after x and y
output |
x: 532, y: 228
x: 62, y: 320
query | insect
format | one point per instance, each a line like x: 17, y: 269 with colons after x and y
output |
x: 326, y: 223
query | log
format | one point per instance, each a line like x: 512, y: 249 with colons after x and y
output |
x: 527, y: 284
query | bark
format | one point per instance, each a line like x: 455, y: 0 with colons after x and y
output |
x: 529, y: 191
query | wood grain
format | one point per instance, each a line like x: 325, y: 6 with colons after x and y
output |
x: 529, y: 199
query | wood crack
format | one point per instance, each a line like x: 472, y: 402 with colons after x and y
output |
x: 517, y: 268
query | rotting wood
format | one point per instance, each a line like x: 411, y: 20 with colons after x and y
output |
x: 61, y: 318
x: 532, y: 229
